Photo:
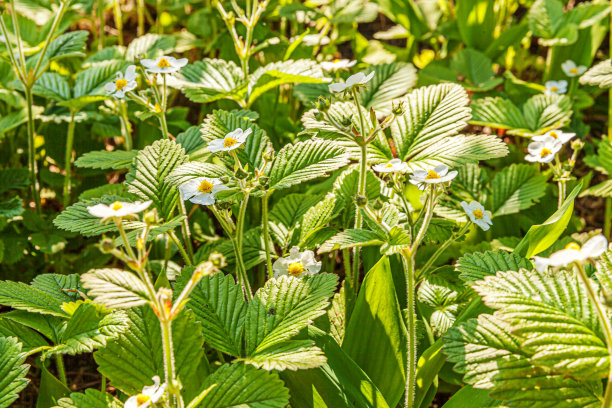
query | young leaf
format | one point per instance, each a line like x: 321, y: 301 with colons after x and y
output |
x: 390, y: 82
x: 516, y: 188
x: 477, y: 265
x: 115, y: 288
x: 288, y: 355
x: 89, y: 399
x: 599, y: 75
x: 103, y: 159
x: 212, y: 79
x: 351, y: 238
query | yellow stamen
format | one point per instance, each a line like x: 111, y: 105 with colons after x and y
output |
x: 295, y: 269
x: 478, y: 214
x: 163, y: 63
x: 573, y: 71
x: 120, y: 84
x: 158, y: 108
x: 545, y: 152
x: 142, y: 399
x: 337, y: 60
x: 554, y: 89
x: 432, y: 175
x: 554, y: 134
x: 205, y: 187
x: 229, y: 141
x: 573, y: 245
x: 388, y: 166
x: 116, y: 206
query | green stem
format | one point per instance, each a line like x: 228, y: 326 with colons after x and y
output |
x: 68, y: 159
x: 140, y: 6
x: 431, y: 202
x: 185, y: 229
x: 604, y: 320
x: 61, y: 371
x: 101, y: 24
x: 166, y: 329
x: 164, y: 125
x: 177, y: 242
x: 408, y: 261
x: 443, y: 248
x: 125, y: 126
x: 55, y: 24
x: 118, y: 21
x: 561, y: 193
x: 266, y: 233
x: 103, y: 384
x: 608, y: 218
x: 358, y: 217
x: 239, y: 236
x: 32, y: 165
x: 160, y: 29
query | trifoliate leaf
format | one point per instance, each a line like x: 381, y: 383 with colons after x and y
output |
x: 12, y: 370
x: 516, y: 188
x: 115, y: 288
x: 477, y: 265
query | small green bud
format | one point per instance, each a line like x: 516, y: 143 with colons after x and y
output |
x: 224, y: 179
x: 390, y: 183
x: 378, y: 205
x: 241, y: 174
x: 268, y: 155
x: 224, y: 205
x: 398, y: 109
x: 150, y: 218
x: 107, y: 245
x: 264, y: 180
x: 361, y: 201
x: 319, y: 116
x: 217, y: 259
x: 346, y: 121
x: 577, y: 144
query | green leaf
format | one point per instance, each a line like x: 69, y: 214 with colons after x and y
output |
x: 476, y: 67
x: 147, y: 178
x: 598, y: 75
x: 376, y: 335
x: 244, y: 385
x: 253, y: 249
x: 477, y: 265
x: 390, y: 82
x: 474, y: 21
x: 115, y: 288
x: 554, y: 318
x: 492, y: 358
x: 603, y: 189
x: 352, y: 238
x: 48, y: 243
x: 212, y: 79
x: 317, y: 218
x: 103, y: 159
x: 29, y: 339
x: 191, y: 170
x: 305, y: 161
x: 52, y: 86
x: 340, y: 383
x: 541, y: 236
x: 17, y: 118
x: 149, y: 46
x: 218, y: 305
x: 469, y: 397
x: 90, y: 326
x: 545, y: 17
x: 50, y: 390
x: 12, y: 370
x: 89, y: 399
x: 336, y: 315
x: 288, y: 355
x: 538, y: 115
x: 11, y: 208
x: 283, y: 72
x: 14, y: 179
x: 71, y: 44
x: 296, y: 303
x: 19, y: 295
x: 132, y: 359
x: 91, y: 80
x: 516, y: 188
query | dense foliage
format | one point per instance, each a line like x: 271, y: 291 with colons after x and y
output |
x: 333, y: 204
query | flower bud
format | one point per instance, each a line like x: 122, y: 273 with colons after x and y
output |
x: 346, y: 121
x: 319, y: 116
x: 107, y: 245
x: 398, y: 109
x: 390, y: 183
x: 241, y: 174
x: 224, y: 179
x: 264, y: 180
x: 140, y: 243
x: 361, y: 201
x: 377, y: 205
x: 224, y: 205
x: 577, y: 144
x: 268, y: 155
x: 150, y: 217
x: 157, y: 108
x: 217, y: 259
x: 323, y: 103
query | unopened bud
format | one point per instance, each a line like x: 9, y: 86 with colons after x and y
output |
x: 398, y: 109
x: 107, y: 245
x: 319, y: 116
x: 264, y: 180
x: 268, y: 155
x: 224, y: 205
x: 346, y: 121
x: 361, y: 201
x: 241, y: 174
x: 377, y: 205
x: 577, y: 144
x: 390, y: 183
x: 217, y: 259
x: 224, y: 179
x: 150, y: 217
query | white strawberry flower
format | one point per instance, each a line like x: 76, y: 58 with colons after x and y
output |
x: 337, y: 64
x: 556, y: 87
x: 477, y: 214
x: 438, y: 174
x: 164, y: 64
x: 562, y: 137
x: 297, y: 264
x: 573, y: 252
x: 231, y: 141
x: 543, y: 151
x: 122, y: 83
x: 201, y: 190
x: 149, y: 395
x: 572, y: 70
x: 357, y: 79
x: 118, y: 209
x: 392, y: 166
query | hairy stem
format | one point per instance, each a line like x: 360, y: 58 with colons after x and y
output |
x: 118, y: 21
x: 32, y: 165
x: 125, y: 126
x: 266, y: 233
x: 239, y: 239
x: 140, y: 10
x: 185, y: 229
x: 408, y: 261
x: 443, y: 248
x: 68, y: 159
x: 604, y: 320
x: 101, y: 24
x: 61, y: 371
x: 180, y: 247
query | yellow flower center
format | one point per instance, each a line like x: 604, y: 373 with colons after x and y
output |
x: 205, y: 187
x: 388, y: 166
x: 142, y: 399
x: 573, y: 245
x: 573, y: 71
x: 116, y: 206
x: 337, y: 60
x: 432, y: 175
x: 158, y: 108
x: 163, y: 63
x: 120, y: 84
x: 545, y: 152
x: 478, y: 214
x: 554, y: 89
x: 295, y: 269
x: 554, y: 134
x: 229, y: 141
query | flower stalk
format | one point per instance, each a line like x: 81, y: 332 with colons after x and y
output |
x: 68, y: 159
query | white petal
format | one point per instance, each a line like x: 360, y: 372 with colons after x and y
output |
x: 110, y: 87
x: 368, y: 78
x: 540, y: 263
x: 441, y: 170
x: 101, y: 211
x: 149, y: 63
x: 565, y: 257
x: 339, y: 87
x: 595, y: 246
x: 216, y: 145
x: 131, y: 402
x: 130, y: 73
x: 180, y: 63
